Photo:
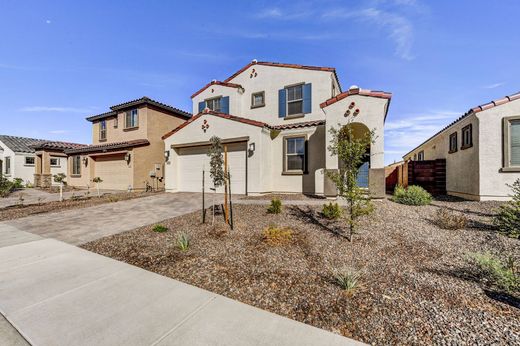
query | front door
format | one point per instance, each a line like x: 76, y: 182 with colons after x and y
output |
x: 362, y: 177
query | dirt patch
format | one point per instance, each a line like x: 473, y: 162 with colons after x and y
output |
x: 22, y: 210
x: 417, y: 283
x: 284, y: 197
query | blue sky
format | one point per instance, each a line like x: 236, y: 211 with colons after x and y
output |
x: 63, y: 60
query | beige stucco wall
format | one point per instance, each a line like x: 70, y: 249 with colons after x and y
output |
x: 121, y: 134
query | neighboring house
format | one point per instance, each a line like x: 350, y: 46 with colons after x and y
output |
x: 481, y: 148
x: 127, y: 151
x: 18, y: 158
x: 275, y: 122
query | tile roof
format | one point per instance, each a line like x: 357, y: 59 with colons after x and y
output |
x: 474, y: 110
x: 297, y: 125
x: 107, y: 146
x: 55, y: 145
x: 277, y: 64
x: 216, y: 82
x: 356, y: 91
x: 20, y: 144
x: 143, y: 100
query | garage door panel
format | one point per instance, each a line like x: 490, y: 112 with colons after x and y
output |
x: 114, y: 172
x: 192, y: 161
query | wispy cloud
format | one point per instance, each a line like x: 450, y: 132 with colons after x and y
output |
x: 58, y: 132
x: 400, y: 29
x: 494, y: 85
x: 279, y: 14
x: 55, y: 109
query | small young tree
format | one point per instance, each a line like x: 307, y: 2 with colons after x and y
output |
x: 60, y: 178
x: 508, y: 217
x: 216, y: 170
x: 350, y: 151
x: 97, y: 181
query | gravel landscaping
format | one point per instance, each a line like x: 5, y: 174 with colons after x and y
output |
x: 418, y: 285
x: 283, y: 197
x: 80, y: 201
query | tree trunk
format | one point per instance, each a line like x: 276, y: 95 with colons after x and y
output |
x: 213, y: 217
x: 97, y: 188
x: 61, y: 191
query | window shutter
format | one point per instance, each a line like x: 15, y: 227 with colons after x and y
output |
x: 282, y: 101
x: 515, y: 143
x: 307, y: 98
x: 224, y: 105
x: 202, y: 105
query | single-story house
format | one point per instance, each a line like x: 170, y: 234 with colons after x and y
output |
x: 275, y: 120
x: 481, y: 148
x: 127, y: 151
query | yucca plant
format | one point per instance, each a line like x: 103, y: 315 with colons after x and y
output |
x: 347, y: 278
x: 183, y: 241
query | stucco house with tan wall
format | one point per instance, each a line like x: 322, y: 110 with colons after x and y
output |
x: 481, y: 148
x: 127, y: 151
x: 275, y: 122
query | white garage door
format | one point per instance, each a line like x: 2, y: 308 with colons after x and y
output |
x: 114, y: 172
x: 192, y: 161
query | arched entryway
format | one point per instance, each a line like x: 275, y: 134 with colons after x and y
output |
x: 359, y: 130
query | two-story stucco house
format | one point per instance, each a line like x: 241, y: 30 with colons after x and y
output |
x: 481, y: 148
x: 127, y: 151
x: 274, y: 120
x: 18, y: 158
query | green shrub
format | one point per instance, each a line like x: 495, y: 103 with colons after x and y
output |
x: 502, y: 274
x: 332, y: 211
x: 347, y: 278
x: 159, y: 228
x: 6, y: 187
x: 507, y: 219
x: 183, y: 241
x: 412, y: 195
x: 277, y: 235
x: 18, y: 183
x: 275, y: 207
x: 447, y: 219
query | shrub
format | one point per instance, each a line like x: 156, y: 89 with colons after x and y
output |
x: 6, y: 187
x: 502, y: 274
x: 347, y: 278
x: 413, y: 195
x: 159, y: 228
x: 332, y: 211
x: 183, y: 241
x: 507, y: 219
x: 277, y: 235
x: 275, y: 207
x: 447, y: 219
x: 18, y: 183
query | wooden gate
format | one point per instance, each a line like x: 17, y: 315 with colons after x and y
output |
x: 429, y: 174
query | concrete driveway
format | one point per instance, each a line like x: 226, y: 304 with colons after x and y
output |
x: 79, y: 226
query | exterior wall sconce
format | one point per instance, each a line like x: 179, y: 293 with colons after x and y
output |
x: 167, y: 155
x: 85, y: 161
x: 127, y: 157
x: 252, y: 146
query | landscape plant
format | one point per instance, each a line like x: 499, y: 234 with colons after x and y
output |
x: 60, y: 179
x: 274, y: 235
x: 503, y: 274
x: 412, y: 195
x: 332, y: 211
x: 216, y: 171
x: 97, y: 181
x: 18, y: 183
x: 350, y: 151
x: 446, y: 219
x: 275, y: 207
x: 507, y: 220
x: 160, y: 228
x: 347, y: 278
x: 6, y: 186
x: 183, y: 241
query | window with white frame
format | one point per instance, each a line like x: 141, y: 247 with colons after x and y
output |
x: 131, y: 119
x: 420, y: 156
x: 295, y: 100
x: 29, y: 160
x: 453, y: 143
x: 258, y: 99
x: 102, y: 130
x: 7, y: 165
x: 55, y: 162
x: 76, y: 165
x: 295, y: 154
x: 214, y: 104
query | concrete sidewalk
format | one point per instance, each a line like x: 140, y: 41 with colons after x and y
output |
x: 57, y: 294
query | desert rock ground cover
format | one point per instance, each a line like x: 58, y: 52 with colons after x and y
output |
x: 417, y: 285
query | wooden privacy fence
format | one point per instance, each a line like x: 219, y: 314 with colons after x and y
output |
x: 429, y: 174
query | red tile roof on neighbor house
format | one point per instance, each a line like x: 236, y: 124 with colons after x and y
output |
x: 356, y: 91
x: 107, y: 146
x: 216, y: 82
x: 56, y: 145
x: 474, y: 110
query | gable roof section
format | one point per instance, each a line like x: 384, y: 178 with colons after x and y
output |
x: 356, y: 91
x: 220, y: 115
x: 107, y: 146
x: 216, y: 82
x: 138, y: 102
x: 56, y: 145
x: 20, y: 144
x: 474, y: 110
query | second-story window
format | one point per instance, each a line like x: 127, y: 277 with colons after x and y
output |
x: 295, y: 100
x: 214, y: 104
x: 420, y: 156
x: 102, y: 130
x: 131, y: 119
x: 116, y: 122
x: 258, y: 99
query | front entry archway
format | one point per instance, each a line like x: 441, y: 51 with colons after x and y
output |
x: 359, y: 130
